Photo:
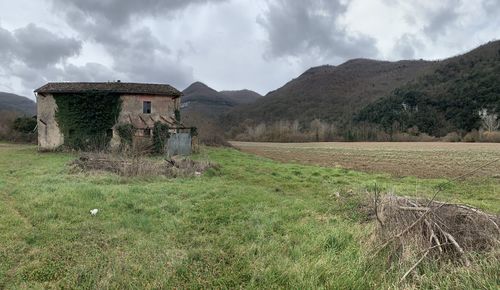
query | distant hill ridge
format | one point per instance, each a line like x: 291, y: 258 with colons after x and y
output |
x: 331, y: 93
x: 201, y: 99
x: 13, y: 102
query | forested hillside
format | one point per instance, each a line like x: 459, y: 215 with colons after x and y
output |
x: 449, y: 99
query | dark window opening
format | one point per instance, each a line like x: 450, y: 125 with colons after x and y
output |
x: 147, y: 132
x: 109, y: 133
x: 71, y: 132
x: 146, y: 107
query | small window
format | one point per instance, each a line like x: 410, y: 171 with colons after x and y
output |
x: 146, y: 107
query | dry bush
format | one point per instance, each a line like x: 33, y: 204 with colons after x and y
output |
x: 136, y: 165
x: 209, y: 131
x: 424, y: 137
x: 487, y: 136
x: 451, y: 137
x: 402, y: 137
x: 289, y: 131
x: 472, y: 136
x: 216, y: 139
x: 320, y: 131
x: 412, y: 230
x: 7, y: 119
x: 383, y: 136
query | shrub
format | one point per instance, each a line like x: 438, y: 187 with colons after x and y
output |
x: 24, y: 124
x: 7, y: 119
x: 451, y: 137
x: 472, y: 136
x: 160, y: 136
x: 177, y: 115
x: 493, y: 136
x: 8, y: 133
x: 126, y: 133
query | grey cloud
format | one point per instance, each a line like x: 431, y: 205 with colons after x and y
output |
x: 7, y: 44
x: 39, y: 47
x: 146, y: 59
x: 434, y: 20
x: 406, y: 46
x: 297, y: 28
x: 440, y: 20
x: 119, y: 12
x: 117, y: 25
x: 32, y: 77
x: 35, y: 56
x: 35, y: 46
x: 90, y: 72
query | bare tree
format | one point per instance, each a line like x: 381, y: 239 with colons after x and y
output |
x: 490, y: 121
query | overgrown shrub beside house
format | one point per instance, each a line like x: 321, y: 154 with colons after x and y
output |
x: 126, y: 133
x: 160, y: 137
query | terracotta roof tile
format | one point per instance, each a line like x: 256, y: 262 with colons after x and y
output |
x: 112, y: 87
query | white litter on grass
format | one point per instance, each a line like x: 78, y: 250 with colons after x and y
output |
x: 197, y: 173
x: 94, y: 211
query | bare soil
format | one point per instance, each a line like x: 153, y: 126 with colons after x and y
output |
x: 421, y: 159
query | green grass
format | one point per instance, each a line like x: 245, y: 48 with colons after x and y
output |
x: 254, y: 223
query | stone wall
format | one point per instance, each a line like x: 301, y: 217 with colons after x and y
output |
x: 132, y: 105
x: 49, y: 135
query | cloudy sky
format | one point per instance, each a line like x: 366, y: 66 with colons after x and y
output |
x: 227, y: 44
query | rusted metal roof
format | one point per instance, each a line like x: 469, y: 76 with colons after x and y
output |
x: 111, y: 87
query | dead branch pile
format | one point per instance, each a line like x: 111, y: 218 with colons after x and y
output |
x: 139, y: 165
x: 414, y: 229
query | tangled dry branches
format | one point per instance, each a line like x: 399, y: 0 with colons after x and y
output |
x: 139, y: 165
x: 416, y: 229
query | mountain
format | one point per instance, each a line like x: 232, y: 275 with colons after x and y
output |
x: 445, y: 100
x: 242, y: 96
x: 200, y: 98
x: 435, y: 97
x: 12, y: 102
x: 331, y: 93
x: 202, y: 107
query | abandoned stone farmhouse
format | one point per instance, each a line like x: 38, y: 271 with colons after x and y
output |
x: 98, y: 109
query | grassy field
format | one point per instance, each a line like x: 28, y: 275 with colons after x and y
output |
x: 254, y: 223
x: 422, y: 159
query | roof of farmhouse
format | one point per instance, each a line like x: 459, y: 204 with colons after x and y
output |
x: 111, y: 87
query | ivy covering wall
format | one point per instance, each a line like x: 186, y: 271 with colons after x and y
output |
x: 86, y: 118
x: 126, y: 133
x: 160, y: 137
x: 177, y: 115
